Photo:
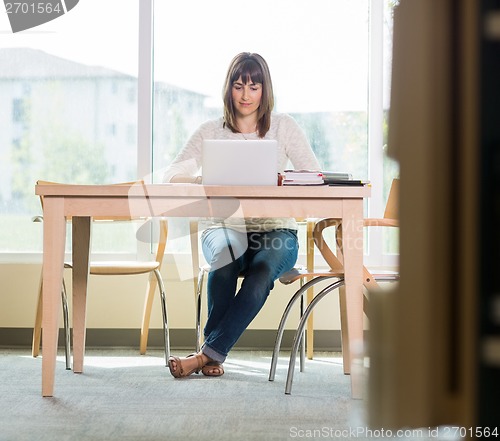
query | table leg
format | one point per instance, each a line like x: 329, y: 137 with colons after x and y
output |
x: 81, y: 263
x: 54, y: 238
x: 310, y: 292
x: 346, y: 356
x: 352, y: 229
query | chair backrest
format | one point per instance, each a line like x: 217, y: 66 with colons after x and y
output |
x: 96, y: 218
x: 162, y: 241
x: 392, y: 205
x: 330, y: 258
x: 163, y: 223
x: 335, y: 260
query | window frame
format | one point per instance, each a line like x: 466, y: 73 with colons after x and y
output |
x: 145, y: 106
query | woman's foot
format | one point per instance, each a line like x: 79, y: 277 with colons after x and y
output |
x: 183, y: 367
x: 213, y: 369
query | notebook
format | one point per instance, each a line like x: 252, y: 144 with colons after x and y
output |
x: 239, y: 162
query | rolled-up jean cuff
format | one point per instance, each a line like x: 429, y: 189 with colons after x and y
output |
x: 213, y: 354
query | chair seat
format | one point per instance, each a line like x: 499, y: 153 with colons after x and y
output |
x: 297, y: 274
x: 381, y: 222
x: 120, y: 268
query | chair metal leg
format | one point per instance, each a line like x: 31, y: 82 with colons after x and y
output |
x: 146, y: 315
x: 284, y: 317
x: 201, y: 276
x: 300, y: 329
x: 166, y: 336
x: 67, y: 337
x: 302, y: 337
x: 305, y: 316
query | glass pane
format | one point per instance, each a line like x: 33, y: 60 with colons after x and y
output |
x: 68, y: 112
x: 317, y: 52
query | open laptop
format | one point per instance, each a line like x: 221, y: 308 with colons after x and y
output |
x: 239, y: 162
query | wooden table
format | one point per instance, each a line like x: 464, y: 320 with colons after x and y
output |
x: 83, y: 202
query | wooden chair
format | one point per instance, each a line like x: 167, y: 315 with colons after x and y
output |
x: 389, y: 219
x: 116, y: 268
x: 202, y: 270
x: 336, y: 273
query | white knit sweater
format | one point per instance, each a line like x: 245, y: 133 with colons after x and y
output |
x: 294, y: 151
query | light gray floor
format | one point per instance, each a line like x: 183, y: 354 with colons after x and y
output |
x: 125, y: 396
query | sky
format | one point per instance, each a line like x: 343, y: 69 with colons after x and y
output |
x: 317, y: 50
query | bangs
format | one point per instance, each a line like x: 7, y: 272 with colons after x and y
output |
x: 249, y: 71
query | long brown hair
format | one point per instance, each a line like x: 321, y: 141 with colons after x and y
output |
x: 251, y: 68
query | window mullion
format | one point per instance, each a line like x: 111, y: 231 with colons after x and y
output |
x: 145, y: 102
x: 375, y: 125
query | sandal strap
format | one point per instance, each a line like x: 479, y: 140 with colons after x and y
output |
x: 199, y: 359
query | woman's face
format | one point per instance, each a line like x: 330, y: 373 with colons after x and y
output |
x: 246, y: 97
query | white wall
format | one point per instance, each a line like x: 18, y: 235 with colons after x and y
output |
x: 117, y: 302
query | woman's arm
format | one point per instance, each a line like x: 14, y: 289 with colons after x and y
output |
x: 297, y: 146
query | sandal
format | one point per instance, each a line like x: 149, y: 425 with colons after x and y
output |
x: 178, y: 371
x: 208, y: 369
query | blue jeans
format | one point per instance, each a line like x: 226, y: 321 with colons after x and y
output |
x: 260, y: 258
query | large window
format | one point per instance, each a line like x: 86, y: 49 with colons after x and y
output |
x: 71, y: 94
x: 68, y: 112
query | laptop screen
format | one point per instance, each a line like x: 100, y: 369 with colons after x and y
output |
x: 239, y: 162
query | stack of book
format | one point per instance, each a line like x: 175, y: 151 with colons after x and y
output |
x: 302, y: 177
x: 342, y: 179
x: 314, y: 177
x: 333, y: 177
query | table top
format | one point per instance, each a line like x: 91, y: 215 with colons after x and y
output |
x: 197, y: 190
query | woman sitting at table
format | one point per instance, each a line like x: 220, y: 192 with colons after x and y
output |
x: 260, y: 250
